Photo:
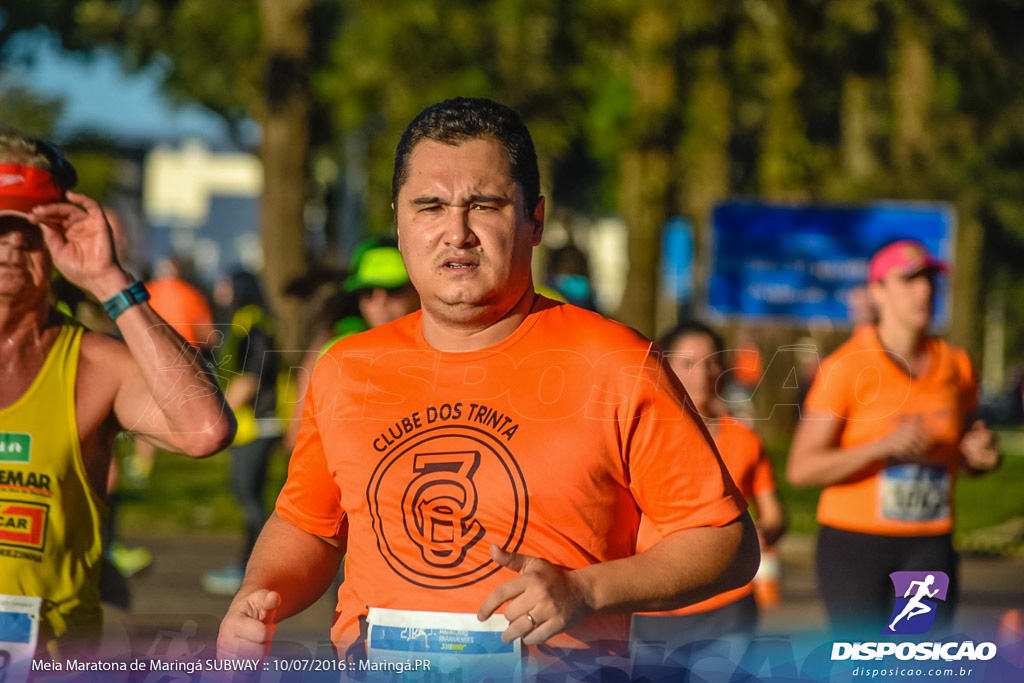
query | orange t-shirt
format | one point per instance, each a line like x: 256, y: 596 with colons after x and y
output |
x: 748, y: 464
x: 183, y: 307
x: 747, y: 365
x: 864, y: 387
x: 550, y: 443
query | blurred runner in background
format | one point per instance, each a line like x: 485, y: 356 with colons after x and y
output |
x: 382, y: 292
x: 697, y: 355
x: 247, y: 364
x: 886, y: 427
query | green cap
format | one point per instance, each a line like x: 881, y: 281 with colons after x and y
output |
x: 377, y: 263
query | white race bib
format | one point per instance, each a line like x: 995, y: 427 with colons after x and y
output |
x: 914, y: 492
x: 456, y: 646
x: 19, y: 632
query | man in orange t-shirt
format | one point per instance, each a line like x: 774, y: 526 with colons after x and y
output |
x: 886, y: 428
x: 486, y: 459
x: 696, y: 355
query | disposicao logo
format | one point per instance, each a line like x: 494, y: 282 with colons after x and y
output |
x: 918, y: 595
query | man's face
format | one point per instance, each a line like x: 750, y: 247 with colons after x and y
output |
x: 464, y: 232
x: 25, y: 264
x: 381, y: 305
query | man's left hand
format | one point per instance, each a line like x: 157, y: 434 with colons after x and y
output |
x: 542, y: 601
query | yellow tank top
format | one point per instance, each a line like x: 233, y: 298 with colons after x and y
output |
x: 50, y: 517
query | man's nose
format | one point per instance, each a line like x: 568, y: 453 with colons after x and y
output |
x: 459, y: 233
x: 378, y: 296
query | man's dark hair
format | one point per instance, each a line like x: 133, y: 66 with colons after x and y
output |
x: 687, y: 327
x: 462, y: 119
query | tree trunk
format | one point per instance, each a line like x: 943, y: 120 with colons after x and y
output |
x: 645, y: 162
x: 912, y: 84
x: 704, y: 158
x: 783, y: 143
x: 642, y: 191
x: 857, y: 130
x: 965, y: 278
x: 285, y: 147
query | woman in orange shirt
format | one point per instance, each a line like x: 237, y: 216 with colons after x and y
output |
x: 886, y: 428
x: 697, y: 355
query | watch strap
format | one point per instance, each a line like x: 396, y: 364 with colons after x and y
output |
x: 135, y: 293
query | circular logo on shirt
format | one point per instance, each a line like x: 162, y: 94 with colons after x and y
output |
x: 440, y: 498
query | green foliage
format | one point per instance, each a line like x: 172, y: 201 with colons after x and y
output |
x: 209, y: 48
x: 184, y: 495
x: 646, y: 108
x: 23, y: 109
x: 984, y: 502
x: 801, y: 503
x: 96, y: 173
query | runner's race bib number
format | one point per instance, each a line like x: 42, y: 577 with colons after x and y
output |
x: 915, y: 493
x: 431, y: 644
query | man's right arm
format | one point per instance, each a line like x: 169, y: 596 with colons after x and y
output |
x: 288, y: 571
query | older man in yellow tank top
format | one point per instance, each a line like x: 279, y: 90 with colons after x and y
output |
x: 66, y: 391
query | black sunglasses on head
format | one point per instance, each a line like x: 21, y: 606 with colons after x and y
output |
x: 60, y: 168
x: 400, y: 290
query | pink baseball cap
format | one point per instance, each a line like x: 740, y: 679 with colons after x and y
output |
x: 24, y: 187
x: 908, y: 257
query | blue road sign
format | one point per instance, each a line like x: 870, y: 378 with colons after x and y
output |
x: 799, y: 263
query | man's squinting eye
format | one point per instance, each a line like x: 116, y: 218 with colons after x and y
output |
x: 31, y: 235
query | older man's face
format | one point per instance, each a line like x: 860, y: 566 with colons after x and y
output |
x: 464, y: 232
x: 25, y: 264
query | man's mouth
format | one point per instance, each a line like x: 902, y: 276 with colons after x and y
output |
x: 460, y: 263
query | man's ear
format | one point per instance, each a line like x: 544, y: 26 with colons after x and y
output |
x: 538, y: 221
x: 398, y: 235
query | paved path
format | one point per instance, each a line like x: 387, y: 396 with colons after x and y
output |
x: 170, y: 614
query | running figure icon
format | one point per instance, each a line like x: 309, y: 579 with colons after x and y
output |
x: 915, y: 606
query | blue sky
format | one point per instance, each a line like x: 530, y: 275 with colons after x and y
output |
x: 100, y: 96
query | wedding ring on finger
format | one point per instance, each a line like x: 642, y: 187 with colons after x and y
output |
x: 533, y: 622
